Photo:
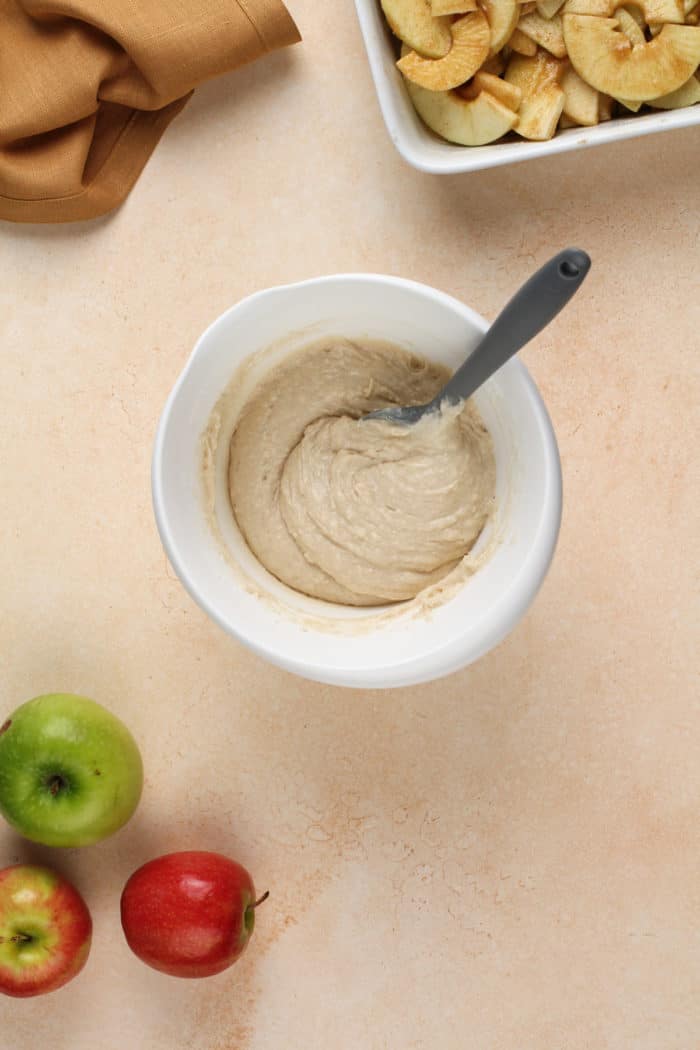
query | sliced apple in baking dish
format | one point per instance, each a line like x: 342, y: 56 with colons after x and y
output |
x: 542, y: 98
x: 630, y: 26
x: 549, y: 8
x: 524, y: 45
x: 452, y: 7
x: 547, y: 32
x: 470, y: 46
x: 662, y: 10
x: 687, y: 94
x: 466, y: 122
x: 653, y: 10
x: 509, y: 95
x: 503, y: 17
x: 631, y: 22
x: 412, y: 21
x: 633, y: 12
x: 605, y: 58
x: 580, y: 99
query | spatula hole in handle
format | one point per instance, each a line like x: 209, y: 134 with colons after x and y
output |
x: 568, y: 269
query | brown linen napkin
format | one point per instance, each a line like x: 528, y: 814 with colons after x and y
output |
x: 87, y: 87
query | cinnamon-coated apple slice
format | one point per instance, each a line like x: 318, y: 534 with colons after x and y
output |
x: 549, y: 8
x: 687, y: 94
x: 412, y: 21
x: 631, y: 22
x: 547, y: 32
x: 542, y: 98
x: 605, y: 58
x: 509, y: 95
x: 470, y: 46
x: 631, y: 26
x: 580, y: 99
x: 452, y: 7
x: 467, y: 122
x: 503, y: 17
x: 653, y: 10
x: 524, y: 45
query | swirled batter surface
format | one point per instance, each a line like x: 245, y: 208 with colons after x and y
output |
x: 351, y: 511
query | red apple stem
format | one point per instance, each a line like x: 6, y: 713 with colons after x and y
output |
x: 260, y: 900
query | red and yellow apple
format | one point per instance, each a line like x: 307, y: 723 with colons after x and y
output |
x: 45, y: 931
x: 189, y: 914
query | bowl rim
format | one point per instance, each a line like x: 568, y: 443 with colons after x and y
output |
x: 510, y: 604
x: 451, y: 159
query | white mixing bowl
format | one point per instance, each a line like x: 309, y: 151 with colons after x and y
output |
x: 319, y: 640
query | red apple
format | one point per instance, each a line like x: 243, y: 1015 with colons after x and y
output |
x: 45, y: 931
x: 189, y: 914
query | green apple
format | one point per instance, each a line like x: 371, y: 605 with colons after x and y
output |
x: 70, y: 772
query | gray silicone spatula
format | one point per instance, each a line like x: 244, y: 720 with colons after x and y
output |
x: 529, y: 311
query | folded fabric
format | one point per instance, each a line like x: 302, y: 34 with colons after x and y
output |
x: 87, y: 87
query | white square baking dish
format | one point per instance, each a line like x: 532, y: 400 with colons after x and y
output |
x: 425, y: 151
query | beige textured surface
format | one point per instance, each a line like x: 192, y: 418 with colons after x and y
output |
x: 506, y: 860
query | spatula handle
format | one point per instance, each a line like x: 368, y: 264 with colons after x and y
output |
x: 529, y: 311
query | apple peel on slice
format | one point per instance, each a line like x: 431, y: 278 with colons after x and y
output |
x: 412, y: 22
x: 687, y: 94
x: 466, y: 122
x: 542, y: 98
x: 604, y: 57
x: 547, y: 32
x: 470, y: 46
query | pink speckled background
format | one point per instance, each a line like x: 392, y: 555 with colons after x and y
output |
x: 504, y: 860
